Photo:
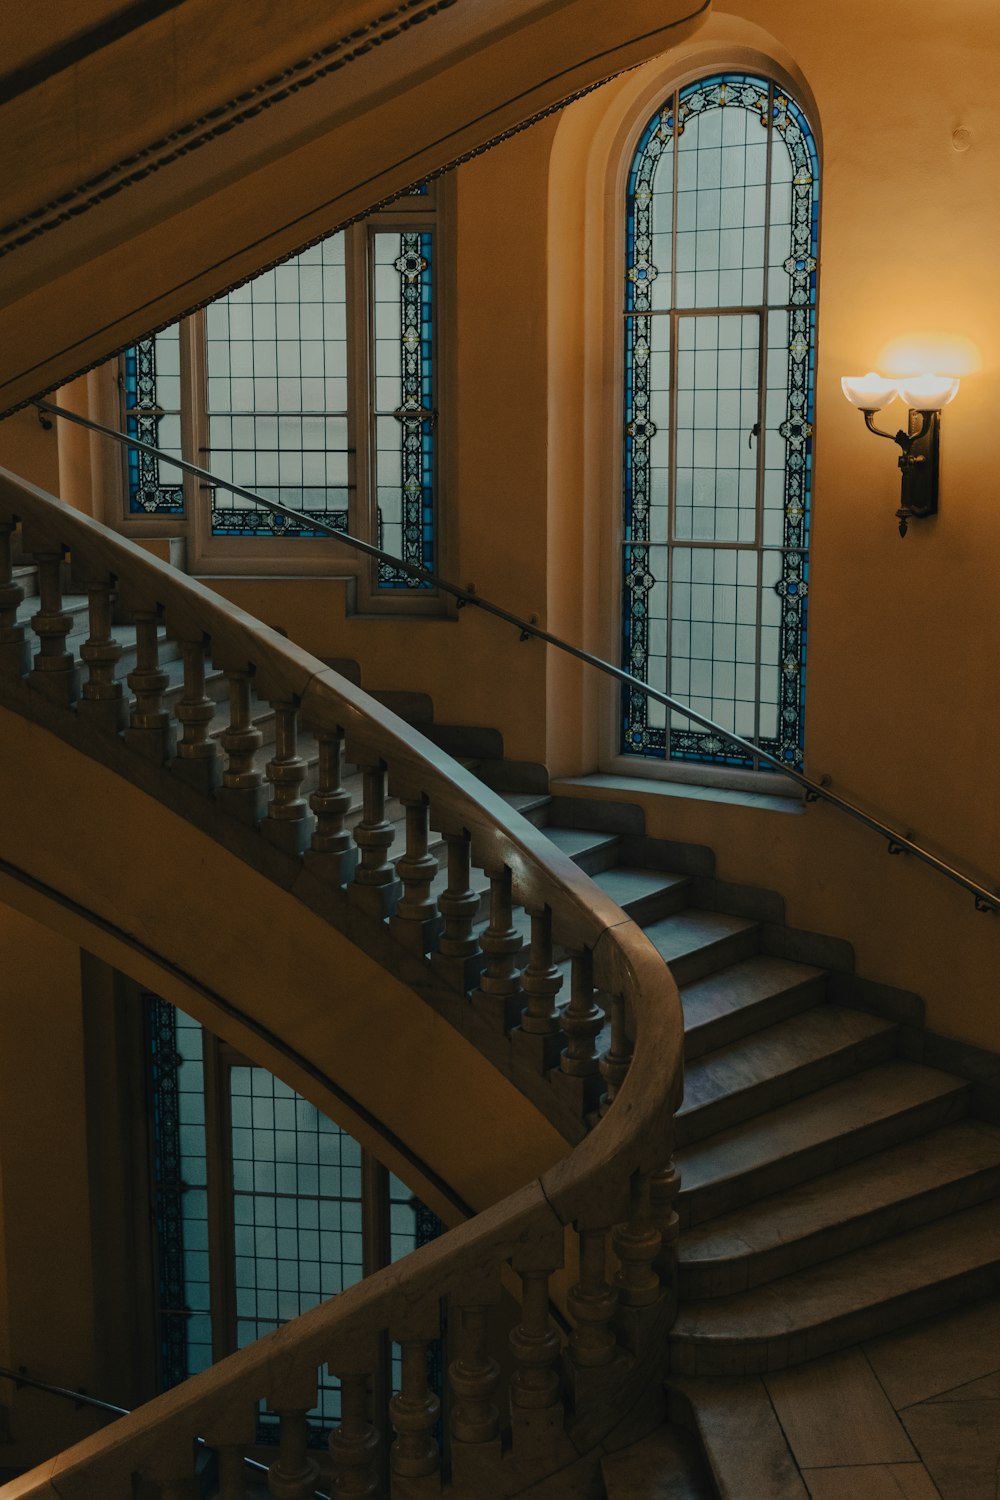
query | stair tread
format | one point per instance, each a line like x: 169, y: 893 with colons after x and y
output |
x: 686, y: 931
x: 742, y: 984
x: 778, y: 1051
x: 851, y: 1104
x: 934, y: 1253
x: 625, y: 884
x: 888, y: 1177
x: 578, y: 841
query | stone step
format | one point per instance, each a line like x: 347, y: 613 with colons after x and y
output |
x: 829, y: 1128
x: 744, y: 1447
x: 894, y: 1190
x: 647, y: 895
x: 780, y: 1063
x: 918, y: 1274
x: 744, y: 997
x: 593, y: 852
x: 696, y: 943
x: 666, y: 1465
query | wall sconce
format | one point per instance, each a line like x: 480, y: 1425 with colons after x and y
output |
x: 924, y: 395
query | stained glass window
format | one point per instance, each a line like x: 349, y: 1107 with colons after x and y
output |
x: 720, y: 326
x: 290, y: 1192
x: 306, y: 397
x: 277, y: 381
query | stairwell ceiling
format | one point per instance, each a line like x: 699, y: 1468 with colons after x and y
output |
x: 151, y: 166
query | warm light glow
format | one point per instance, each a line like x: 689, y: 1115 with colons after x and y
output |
x: 928, y: 392
x: 913, y: 353
x: 868, y: 392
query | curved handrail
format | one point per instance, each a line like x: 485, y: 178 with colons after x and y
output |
x: 815, y: 791
x: 598, y: 1185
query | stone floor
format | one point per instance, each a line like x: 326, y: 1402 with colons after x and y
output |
x: 914, y: 1414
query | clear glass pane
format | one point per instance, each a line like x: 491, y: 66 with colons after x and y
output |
x: 716, y: 457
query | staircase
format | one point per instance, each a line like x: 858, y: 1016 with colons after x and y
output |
x: 834, y: 1185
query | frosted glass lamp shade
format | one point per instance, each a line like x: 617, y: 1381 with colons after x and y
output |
x: 868, y: 392
x: 928, y: 392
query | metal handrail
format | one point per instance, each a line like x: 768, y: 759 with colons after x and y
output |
x: 815, y: 791
x: 21, y: 1378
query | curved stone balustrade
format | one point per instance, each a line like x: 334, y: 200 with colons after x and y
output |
x: 605, y: 1210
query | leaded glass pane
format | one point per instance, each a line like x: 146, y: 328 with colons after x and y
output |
x: 718, y: 450
x: 295, y: 1209
x: 403, y: 405
x: 277, y: 376
x: 152, y: 376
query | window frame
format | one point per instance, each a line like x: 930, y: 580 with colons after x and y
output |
x: 655, y: 95
x: 278, y: 557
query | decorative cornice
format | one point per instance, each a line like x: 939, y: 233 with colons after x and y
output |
x: 216, y: 122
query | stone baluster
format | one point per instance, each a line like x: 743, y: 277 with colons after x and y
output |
x: 232, y: 1472
x: 149, y: 729
x: 592, y: 1304
x: 332, y: 855
x: 376, y: 886
x: 198, y: 761
x: 413, y: 1412
x: 580, y: 1079
x: 354, y: 1445
x: 232, y: 1432
x: 289, y: 822
x: 171, y: 1469
x: 293, y: 1475
x: 473, y: 1377
x: 54, y: 671
x: 617, y: 1060
x: 15, y: 653
x: 664, y: 1185
x: 499, y: 997
x: 416, y: 922
x: 242, y: 793
x: 458, y: 954
x: 540, y: 1036
x: 637, y: 1245
x: 536, y: 1409
x: 102, y: 701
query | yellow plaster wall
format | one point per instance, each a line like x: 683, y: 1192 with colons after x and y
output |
x: 46, y: 1271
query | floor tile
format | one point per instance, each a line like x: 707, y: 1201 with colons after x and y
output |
x: 871, y: 1482
x: 959, y: 1442
x: 834, y: 1411
x: 938, y: 1356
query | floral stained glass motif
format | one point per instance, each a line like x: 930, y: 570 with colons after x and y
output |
x: 153, y: 415
x: 720, y: 324
x: 404, y: 414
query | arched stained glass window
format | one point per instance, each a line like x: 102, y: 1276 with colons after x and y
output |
x: 720, y: 328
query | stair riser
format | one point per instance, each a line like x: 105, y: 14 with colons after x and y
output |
x: 741, y: 1023
x: 661, y: 904
x: 700, y: 962
x: 695, y: 1205
x: 692, y: 1356
x: 703, y: 1281
x: 771, y: 1093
